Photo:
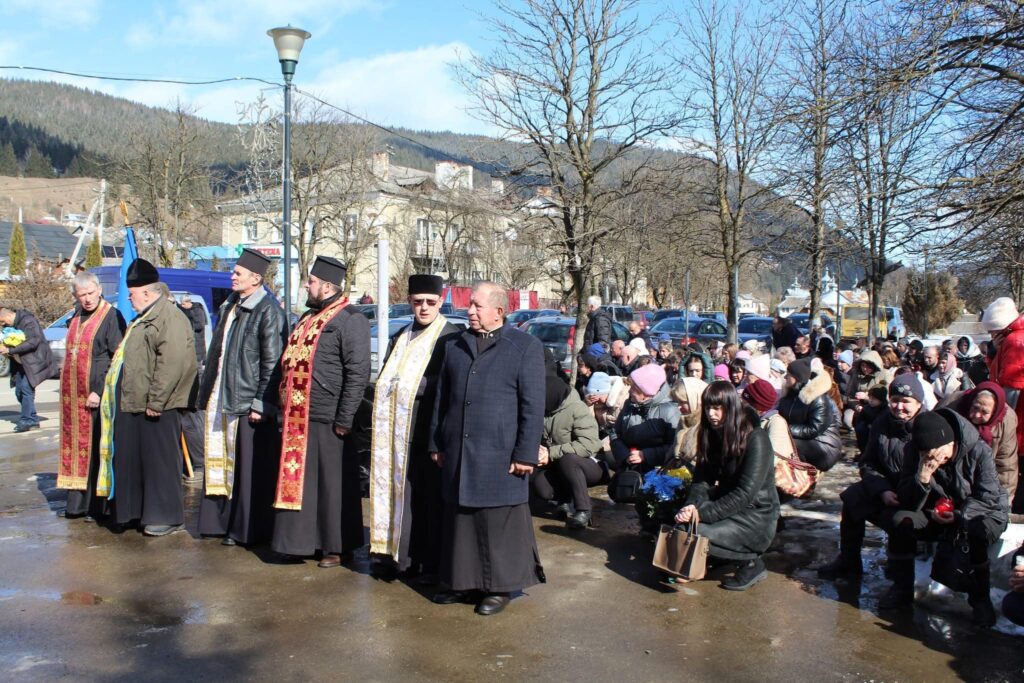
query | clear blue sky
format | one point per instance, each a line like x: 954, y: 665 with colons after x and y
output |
x: 383, y: 59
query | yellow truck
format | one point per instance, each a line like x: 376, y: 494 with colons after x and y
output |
x: 855, y: 322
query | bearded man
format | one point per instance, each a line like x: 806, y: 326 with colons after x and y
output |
x: 325, y: 368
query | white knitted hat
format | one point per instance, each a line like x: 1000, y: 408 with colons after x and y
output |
x: 999, y: 315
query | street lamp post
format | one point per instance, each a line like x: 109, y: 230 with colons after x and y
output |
x: 288, y: 41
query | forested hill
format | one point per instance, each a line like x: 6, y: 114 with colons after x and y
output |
x: 62, y: 121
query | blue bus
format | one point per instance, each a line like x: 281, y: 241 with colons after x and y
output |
x: 213, y: 286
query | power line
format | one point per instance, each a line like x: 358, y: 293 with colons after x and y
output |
x: 4, y: 190
x: 129, y: 79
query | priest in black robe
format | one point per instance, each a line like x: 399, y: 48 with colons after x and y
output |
x: 405, y: 484
x: 101, y: 347
x: 239, y: 396
x: 324, y: 368
x: 486, y: 432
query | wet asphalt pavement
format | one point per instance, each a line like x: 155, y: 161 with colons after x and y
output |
x: 80, y: 602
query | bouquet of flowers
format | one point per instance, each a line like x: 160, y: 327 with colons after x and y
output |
x: 661, y: 496
x: 11, y: 337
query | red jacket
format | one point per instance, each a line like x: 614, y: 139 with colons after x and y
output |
x: 1007, y: 369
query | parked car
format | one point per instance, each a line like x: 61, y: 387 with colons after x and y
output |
x: 663, y: 313
x: 394, y: 325
x: 557, y: 332
x: 645, y: 317
x: 802, y: 322
x: 518, y: 318
x: 758, y: 328
x: 622, y: 314
x: 714, y: 315
x: 402, y: 310
x: 700, y: 330
x: 56, y: 332
x: 368, y: 310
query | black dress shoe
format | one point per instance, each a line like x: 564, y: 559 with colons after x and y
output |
x: 227, y: 540
x: 452, y: 597
x: 579, y: 520
x: 492, y: 604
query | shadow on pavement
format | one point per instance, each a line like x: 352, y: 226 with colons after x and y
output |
x: 56, y: 499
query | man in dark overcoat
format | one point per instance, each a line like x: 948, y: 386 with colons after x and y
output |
x: 486, y: 433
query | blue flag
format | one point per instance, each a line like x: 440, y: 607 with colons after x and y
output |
x: 131, y: 252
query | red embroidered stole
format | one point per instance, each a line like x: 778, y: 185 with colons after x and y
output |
x: 75, y: 417
x: 297, y: 375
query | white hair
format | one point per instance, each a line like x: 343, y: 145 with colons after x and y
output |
x: 594, y: 301
x: 83, y: 279
x: 497, y: 297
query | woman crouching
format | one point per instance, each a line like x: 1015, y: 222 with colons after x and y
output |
x: 733, y: 495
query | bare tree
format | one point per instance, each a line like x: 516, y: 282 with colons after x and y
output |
x: 167, y: 182
x: 580, y: 82
x: 730, y: 61
x: 813, y: 104
x: 336, y: 199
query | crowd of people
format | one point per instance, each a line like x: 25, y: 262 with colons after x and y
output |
x: 464, y: 428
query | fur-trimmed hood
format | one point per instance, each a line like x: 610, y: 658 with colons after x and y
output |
x: 873, y: 358
x: 819, y: 384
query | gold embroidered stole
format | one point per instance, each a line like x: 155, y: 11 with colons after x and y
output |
x: 296, y: 379
x: 75, y: 416
x: 221, y: 430
x: 393, y: 404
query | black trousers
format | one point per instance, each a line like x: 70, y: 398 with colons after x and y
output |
x: 331, y: 518
x: 247, y: 515
x: 147, y: 469
x: 567, y: 479
x: 87, y: 502
x: 859, y: 508
x: 910, y: 527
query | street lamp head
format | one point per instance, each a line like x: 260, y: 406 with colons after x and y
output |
x: 288, y: 41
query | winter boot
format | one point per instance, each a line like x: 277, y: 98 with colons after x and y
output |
x: 746, y: 576
x: 901, y: 593
x: 979, y: 598
x: 848, y: 564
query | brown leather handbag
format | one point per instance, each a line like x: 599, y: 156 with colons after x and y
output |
x: 683, y: 554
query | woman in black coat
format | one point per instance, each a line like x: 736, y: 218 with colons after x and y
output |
x: 733, y: 496
x: 812, y: 416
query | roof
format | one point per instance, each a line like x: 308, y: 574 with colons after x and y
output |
x: 50, y: 242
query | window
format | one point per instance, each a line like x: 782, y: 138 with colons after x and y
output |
x: 252, y: 230
x: 422, y: 229
x: 349, y: 224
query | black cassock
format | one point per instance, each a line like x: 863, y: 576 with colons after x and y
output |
x: 247, y: 516
x: 331, y: 518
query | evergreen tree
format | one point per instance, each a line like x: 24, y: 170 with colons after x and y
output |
x: 94, y: 256
x: 16, y: 252
x: 37, y: 164
x: 8, y: 161
x: 934, y: 292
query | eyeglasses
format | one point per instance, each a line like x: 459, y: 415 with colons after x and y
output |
x: 425, y: 302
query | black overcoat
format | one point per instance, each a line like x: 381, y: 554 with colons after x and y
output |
x: 489, y: 412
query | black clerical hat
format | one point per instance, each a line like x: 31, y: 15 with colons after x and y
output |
x: 425, y: 284
x: 141, y: 273
x: 329, y: 269
x: 254, y: 261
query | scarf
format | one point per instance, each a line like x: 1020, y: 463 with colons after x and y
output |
x: 296, y: 380
x: 75, y: 417
x: 221, y: 429
x: 393, y: 405
x: 963, y: 407
x: 108, y: 403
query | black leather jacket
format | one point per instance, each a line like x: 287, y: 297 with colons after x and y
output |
x: 814, y: 421
x: 251, y: 370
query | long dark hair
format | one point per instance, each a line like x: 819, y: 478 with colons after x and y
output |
x: 729, y: 441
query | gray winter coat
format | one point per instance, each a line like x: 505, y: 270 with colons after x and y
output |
x: 650, y: 428
x: 33, y: 356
